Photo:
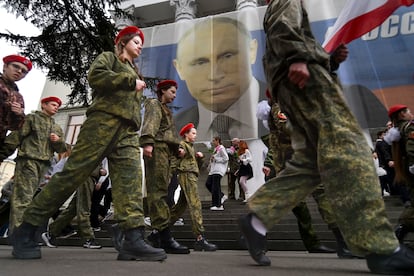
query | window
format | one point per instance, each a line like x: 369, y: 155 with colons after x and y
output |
x: 75, y: 123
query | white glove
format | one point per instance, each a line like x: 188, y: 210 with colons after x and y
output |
x: 411, y: 169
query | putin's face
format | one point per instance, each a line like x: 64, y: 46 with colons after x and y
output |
x: 215, y: 62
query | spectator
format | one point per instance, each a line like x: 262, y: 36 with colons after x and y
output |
x: 217, y: 168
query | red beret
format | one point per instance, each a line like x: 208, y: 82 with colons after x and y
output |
x: 166, y: 83
x: 129, y: 30
x: 16, y: 58
x: 51, y: 99
x: 186, y: 128
x: 395, y: 108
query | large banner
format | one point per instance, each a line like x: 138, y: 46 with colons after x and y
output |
x: 217, y: 62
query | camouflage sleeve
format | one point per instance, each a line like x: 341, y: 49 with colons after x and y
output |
x: 151, y: 122
x: 409, y: 146
x: 18, y: 119
x: 60, y: 145
x: 268, y: 162
x: 292, y: 38
x: 101, y: 76
x: 14, y: 139
x: 10, y: 145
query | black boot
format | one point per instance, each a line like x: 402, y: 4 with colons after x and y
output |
x: 154, y: 239
x: 343, y: 252
x: 401, y: 232
x: 204, y: 245
x: 400, y: 262
x: 117, y: 236
x: 24, y: 242
x: 134, y: 247
x: 170, y: 245
x: 256, y: 243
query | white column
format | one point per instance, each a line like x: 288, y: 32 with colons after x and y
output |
x: 121, y: 22
x: 184, y: 9
x: 245, y: 4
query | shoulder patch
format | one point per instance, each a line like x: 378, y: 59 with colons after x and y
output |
x: 411, y: 135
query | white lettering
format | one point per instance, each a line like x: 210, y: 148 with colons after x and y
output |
x: 392, y: 26
x: 407, y: 23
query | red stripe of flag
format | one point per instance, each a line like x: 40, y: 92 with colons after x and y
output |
x: 362, y: 24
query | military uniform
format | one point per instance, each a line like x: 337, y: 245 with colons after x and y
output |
x: 407, y: 145
x: 9, y: 93
x: 35, y: 151
x: 159, y: 131
x: 110, y: 130
x: 329, y: 146
x: 280, y: 150
x: 79, y: 207
x: 188, y: 177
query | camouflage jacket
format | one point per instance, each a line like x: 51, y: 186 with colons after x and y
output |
x: 9, y: 120
x: 32, y: 140
x: 407, y: 141
x: 158, y: 125
x: 279, y: 139
x: 113, y: 83
x: 289, y: 39
x: 189, y: 162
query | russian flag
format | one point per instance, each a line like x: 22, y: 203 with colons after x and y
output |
x: 358, y: 17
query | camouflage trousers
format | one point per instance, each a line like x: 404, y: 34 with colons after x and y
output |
x: 27, y: 175
x: 158, y: 175
x: 407, y: 215
x: 102, y: 135
x: 79, y: 207
x: 189, y: 197
x: 329, y: 149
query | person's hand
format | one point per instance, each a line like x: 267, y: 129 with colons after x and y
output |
x: 181, y: 152
x: 340, y: 54
x: 16, y: 108
x: 199, y: 154
x: 299, y: 74
x: 391, y: 164
x: 54, y: 137
x: 266, y: 170
x: 98, y: 186
x: 148, y: 150
x: 140, y: 85
x: 102, y: 171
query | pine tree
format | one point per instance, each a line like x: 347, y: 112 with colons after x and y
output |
x: 73, y: 33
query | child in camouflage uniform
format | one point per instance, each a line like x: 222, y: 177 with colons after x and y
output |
x: 38, y: 139
x: 403, y: 155
x: 110, y: 130
x: 188, y: 177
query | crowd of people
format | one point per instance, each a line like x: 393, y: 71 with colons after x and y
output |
x: 321, y: 153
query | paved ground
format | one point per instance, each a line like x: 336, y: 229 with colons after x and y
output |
x: 65, y: 261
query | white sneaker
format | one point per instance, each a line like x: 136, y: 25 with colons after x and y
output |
x: 223, y: 199
x: 179, y: 222
x: 386, y: 193
x: 147, y: 221
x: 215, y: 208
x: 49, y: 240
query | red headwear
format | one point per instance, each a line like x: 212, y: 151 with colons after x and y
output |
x: 395, y: 108
x: 186, y: 128
x: 52, y: 99
x: 16, y: 58
x: 166, y: 83
x: 129, y: 30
